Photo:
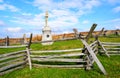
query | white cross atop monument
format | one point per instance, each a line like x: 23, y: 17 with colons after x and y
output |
x: 46, y: 32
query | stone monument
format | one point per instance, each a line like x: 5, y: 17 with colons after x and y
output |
x: 46, y: 32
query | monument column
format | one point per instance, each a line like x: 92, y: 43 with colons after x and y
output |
x: 46, y: 32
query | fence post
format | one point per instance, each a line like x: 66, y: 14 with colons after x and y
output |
x: 117, y: 32
x: 7, y: 41
x: 28, y: 52
x: 103, y: 48
x: 104, y: 34
x: 88, y: 36
x: 24, y: 39
x: 100, y: 33
x: 88, y: 62
x: 94, y: 57
x: 76, y: 33
x: 96, y: 39
x: 90, y: 32
x: 63, y: 36
x: 30, y: 41
x: 28, y: 56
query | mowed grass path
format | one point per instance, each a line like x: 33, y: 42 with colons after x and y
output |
x: 112, y: 64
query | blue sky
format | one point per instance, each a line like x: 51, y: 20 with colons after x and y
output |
x: 18, y: 17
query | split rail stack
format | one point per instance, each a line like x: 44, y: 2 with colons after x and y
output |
x: 112, y: 48
x: 58, y: 58
x: 13, y: 60
x: 69, y: 58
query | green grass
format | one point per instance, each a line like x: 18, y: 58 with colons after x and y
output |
x: 70, y: 44
x: 110, y: 39
x: 9, y: 50
x: 112, y: 64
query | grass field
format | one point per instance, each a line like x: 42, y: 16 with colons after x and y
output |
x: 112, y: 64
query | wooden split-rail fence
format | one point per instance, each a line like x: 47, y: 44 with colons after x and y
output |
x: 15, y: 60
x: 73, y: 58
x: 112, y: 48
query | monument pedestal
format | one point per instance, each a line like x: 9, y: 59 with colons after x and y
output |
x: 47, y: 36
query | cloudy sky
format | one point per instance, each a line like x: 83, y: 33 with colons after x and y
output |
x: 27, y: 16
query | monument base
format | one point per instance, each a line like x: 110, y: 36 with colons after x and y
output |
x: 46, y: 43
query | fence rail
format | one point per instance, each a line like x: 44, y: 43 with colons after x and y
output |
x: 18, y: 46
x: 65, y: 56
x: 113, y: 48
x: 60, y: 66
x: 57, y: 60
x: 56, y: 51
x: 12, y: 61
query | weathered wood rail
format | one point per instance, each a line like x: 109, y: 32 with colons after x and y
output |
x: 13, y: 60
x: 91, y: 57
x: 112, y: 48
x: 61, y: 56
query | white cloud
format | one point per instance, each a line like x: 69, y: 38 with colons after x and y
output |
x: 2, y: 23
x: 90, y: 4
x: 60, y: 13
x: 1, y: 1
x: 117, y: 27
x: 112, y: 24
x: 37, y: 20
x: 114, y: 1
x: 63, y: 15
x: 17, y: 29
x: 57, y: 18
x: 12, y: 8
x: 85, y: 22
x: 77, y: 5
x: 27, y: 14
x: 2, y: 7
x: 8, y: 7
x: 114, y: 20
x: 117, y: 9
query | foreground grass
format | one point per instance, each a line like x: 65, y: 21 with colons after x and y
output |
x: 112, y: 66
